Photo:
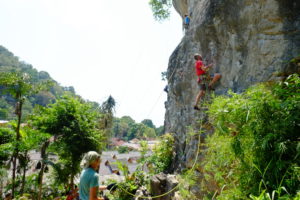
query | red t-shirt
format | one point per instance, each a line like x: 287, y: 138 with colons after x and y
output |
x: 198, y: 66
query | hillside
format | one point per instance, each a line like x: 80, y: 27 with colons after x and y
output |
x: 11, y: 63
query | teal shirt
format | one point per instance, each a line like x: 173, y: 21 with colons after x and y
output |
x: 89, y: 178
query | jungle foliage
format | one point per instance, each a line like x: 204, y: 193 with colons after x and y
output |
x: 62, y: 132
x: 57, y: 125
x: 160, y: 9
x: 156, y: 162
x: 127, y: 129
x: 254, y: 151
x: 10, y: 64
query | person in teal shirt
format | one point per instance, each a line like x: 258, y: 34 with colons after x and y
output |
x: 89, y: 178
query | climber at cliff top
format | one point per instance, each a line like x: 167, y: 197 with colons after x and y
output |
x: 204, y: 78
x: 186, y: 21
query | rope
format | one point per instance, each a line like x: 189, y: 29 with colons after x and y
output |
x: 160, y: 95
x: 189, y: 171
x: 131, y: 76
x: 194, y: 164
x: 154, y: 105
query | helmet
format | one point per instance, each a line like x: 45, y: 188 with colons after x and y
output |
x: 196, y: 55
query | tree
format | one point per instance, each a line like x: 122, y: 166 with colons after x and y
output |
x: 6, y: 146
x: 20, y: 86
x: 31, y: 139
x: 10, y: 63
x: 160, y: 9
x: 73, y: 124
x: 107, y: 110
x: 149, y: 123
x: 160, y: 130
x: 148, y: 132
x: 6, y: 139
x: 128, y: 129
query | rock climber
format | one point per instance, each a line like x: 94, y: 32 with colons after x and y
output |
x: 186, y: 21
x: 166, y: 89
x: 204, y: 78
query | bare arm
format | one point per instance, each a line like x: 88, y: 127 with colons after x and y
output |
x: 102, y: 187
x: 93, y: 194
x: 206, y: 68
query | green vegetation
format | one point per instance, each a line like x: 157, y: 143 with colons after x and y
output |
x: 19, y: 85
x: 60, y: 125
x: 12, y: 67
x: 160, y: 9
x: 254, y: 151
x: 6, y: 137
x: 127, y: 129
x: 123, y: 149
x: 162, y: 156
x: 158, y: 161
x: 68, y: 129
x: 107, y: 110
x: 71, y: 121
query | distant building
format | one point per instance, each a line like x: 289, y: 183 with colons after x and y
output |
x: 134, y: 141
x: 115, y: 142
x: 131, y: 146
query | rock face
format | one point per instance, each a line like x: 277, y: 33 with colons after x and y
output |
x: 162, y: 183
x: 246, y: 40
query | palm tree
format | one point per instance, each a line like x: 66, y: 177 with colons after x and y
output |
x: 107, y: 110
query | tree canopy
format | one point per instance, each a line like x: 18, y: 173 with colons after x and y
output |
x: 160, y: 9
x: 74, y: 126
x: 14, y: 70
x: 127, y: 129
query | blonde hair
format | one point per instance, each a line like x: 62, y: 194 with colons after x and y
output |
x: 89, y: 158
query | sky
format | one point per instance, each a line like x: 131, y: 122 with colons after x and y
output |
x: 100, y: 47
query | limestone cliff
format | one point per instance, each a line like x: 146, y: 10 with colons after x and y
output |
x: 246, y: 40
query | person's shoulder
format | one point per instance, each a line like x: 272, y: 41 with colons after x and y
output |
x: 88, y: 171
x: 199, y: 62
x: 94, y: 173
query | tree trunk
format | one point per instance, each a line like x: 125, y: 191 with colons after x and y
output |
x: 72, y: 174
x: 41, y: 174
x: 16, y: 151
x: 14, y: 174
x: 72, y: 181
x: 23, y: 180
x: 24, y: 173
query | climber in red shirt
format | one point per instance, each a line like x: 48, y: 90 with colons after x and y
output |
x: 203, y: 78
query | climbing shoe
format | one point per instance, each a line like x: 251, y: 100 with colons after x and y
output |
x: 211, y: 88
x: 196, y: 108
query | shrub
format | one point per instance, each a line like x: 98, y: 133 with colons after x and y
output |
x: 123, y: 149
x: 255, y: 146
x: 160, y: 9
x: 162, y: 156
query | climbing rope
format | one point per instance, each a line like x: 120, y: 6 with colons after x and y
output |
x: 189, y: 171
x: 160, y: 95
x: 197, y: 153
